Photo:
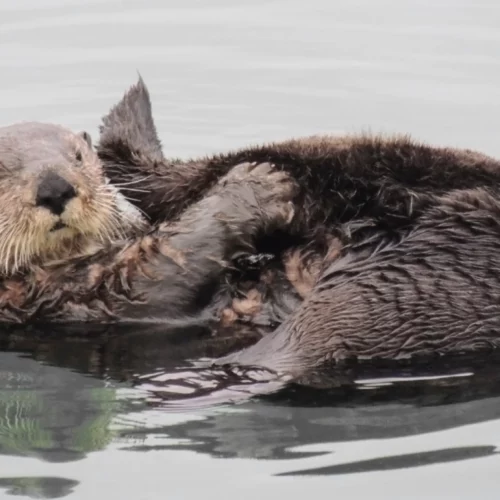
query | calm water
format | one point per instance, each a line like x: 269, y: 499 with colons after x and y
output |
x: 224, y: 74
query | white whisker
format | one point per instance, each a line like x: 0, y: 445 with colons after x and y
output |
x: 135, y: 181
x: 136, y: 190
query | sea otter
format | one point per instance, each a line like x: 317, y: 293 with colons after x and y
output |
x: 73, y: 249
x: 399, y: 241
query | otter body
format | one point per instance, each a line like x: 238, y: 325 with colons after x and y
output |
x: 394, y: 249
x: 74, y: 249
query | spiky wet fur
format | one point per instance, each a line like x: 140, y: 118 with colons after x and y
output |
x: 402, y: 231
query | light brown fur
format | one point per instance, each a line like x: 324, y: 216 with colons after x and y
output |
x: 93, y: 218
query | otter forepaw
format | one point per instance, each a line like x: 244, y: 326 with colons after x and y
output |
x: 254, y: 196
x: 272, y: 190
x: 242, y: 171
x: 276, y: 183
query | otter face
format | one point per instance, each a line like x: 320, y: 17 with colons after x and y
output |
x: 54, y: 198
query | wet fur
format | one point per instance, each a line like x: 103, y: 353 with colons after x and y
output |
x: 102, y: 267
x: 367, y: 179
x: 404, y: 237
x: 96, y: 216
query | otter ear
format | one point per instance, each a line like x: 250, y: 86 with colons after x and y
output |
x: 86, y: 137
x: 129, y: 129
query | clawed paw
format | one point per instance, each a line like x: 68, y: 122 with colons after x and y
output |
x: 256, y: 195
x: 278, y: 184
x: 244, y: 171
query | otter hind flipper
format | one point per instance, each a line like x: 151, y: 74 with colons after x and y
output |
x: 131, y: 153
x: 129, y: 130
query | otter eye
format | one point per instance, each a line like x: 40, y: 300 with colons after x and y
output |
x: 78, y: 156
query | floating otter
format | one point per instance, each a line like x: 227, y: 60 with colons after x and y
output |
x: 73, y: 249
x: 403, y: 239
x: 54, y: 199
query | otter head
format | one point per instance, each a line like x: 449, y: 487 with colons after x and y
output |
x: 55, y: 201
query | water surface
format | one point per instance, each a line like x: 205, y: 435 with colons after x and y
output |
x: 222, y: 75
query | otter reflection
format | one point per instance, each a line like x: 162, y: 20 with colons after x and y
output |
x: 52, y: 409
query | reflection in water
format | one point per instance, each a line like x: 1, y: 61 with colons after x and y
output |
x: 52, y: 409
x: 38, y: 487
x: 50, y: 413
x: 302, y: 416
x: 399, y: 461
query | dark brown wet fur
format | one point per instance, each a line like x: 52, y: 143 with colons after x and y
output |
x: 342, y: 179
x: 405, y: 240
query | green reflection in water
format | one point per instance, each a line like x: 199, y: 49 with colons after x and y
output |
x: 33, y: 422
x: 20, y: 430
x: 38, y: 487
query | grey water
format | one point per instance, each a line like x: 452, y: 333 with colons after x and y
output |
x: 222, y: 75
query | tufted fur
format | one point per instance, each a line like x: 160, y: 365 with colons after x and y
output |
x: 93, y: 261
x: 398, y: 242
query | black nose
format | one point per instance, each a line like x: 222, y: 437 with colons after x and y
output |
x: 54, y: 192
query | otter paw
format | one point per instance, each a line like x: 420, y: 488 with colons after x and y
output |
x: 279, y: 184
x: 267, y: 183
x: 267, y: 190
x: 254, y: 196
x: 243, y: 171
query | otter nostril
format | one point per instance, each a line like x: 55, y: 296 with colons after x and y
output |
x: 54, y: 192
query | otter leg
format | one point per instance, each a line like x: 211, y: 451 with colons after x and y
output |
x: 434, y: 290
x: 192, y: 253
x: 174, y: 271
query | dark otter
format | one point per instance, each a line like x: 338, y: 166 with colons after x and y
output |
x: 73, y: 249
x: 405, y: 238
